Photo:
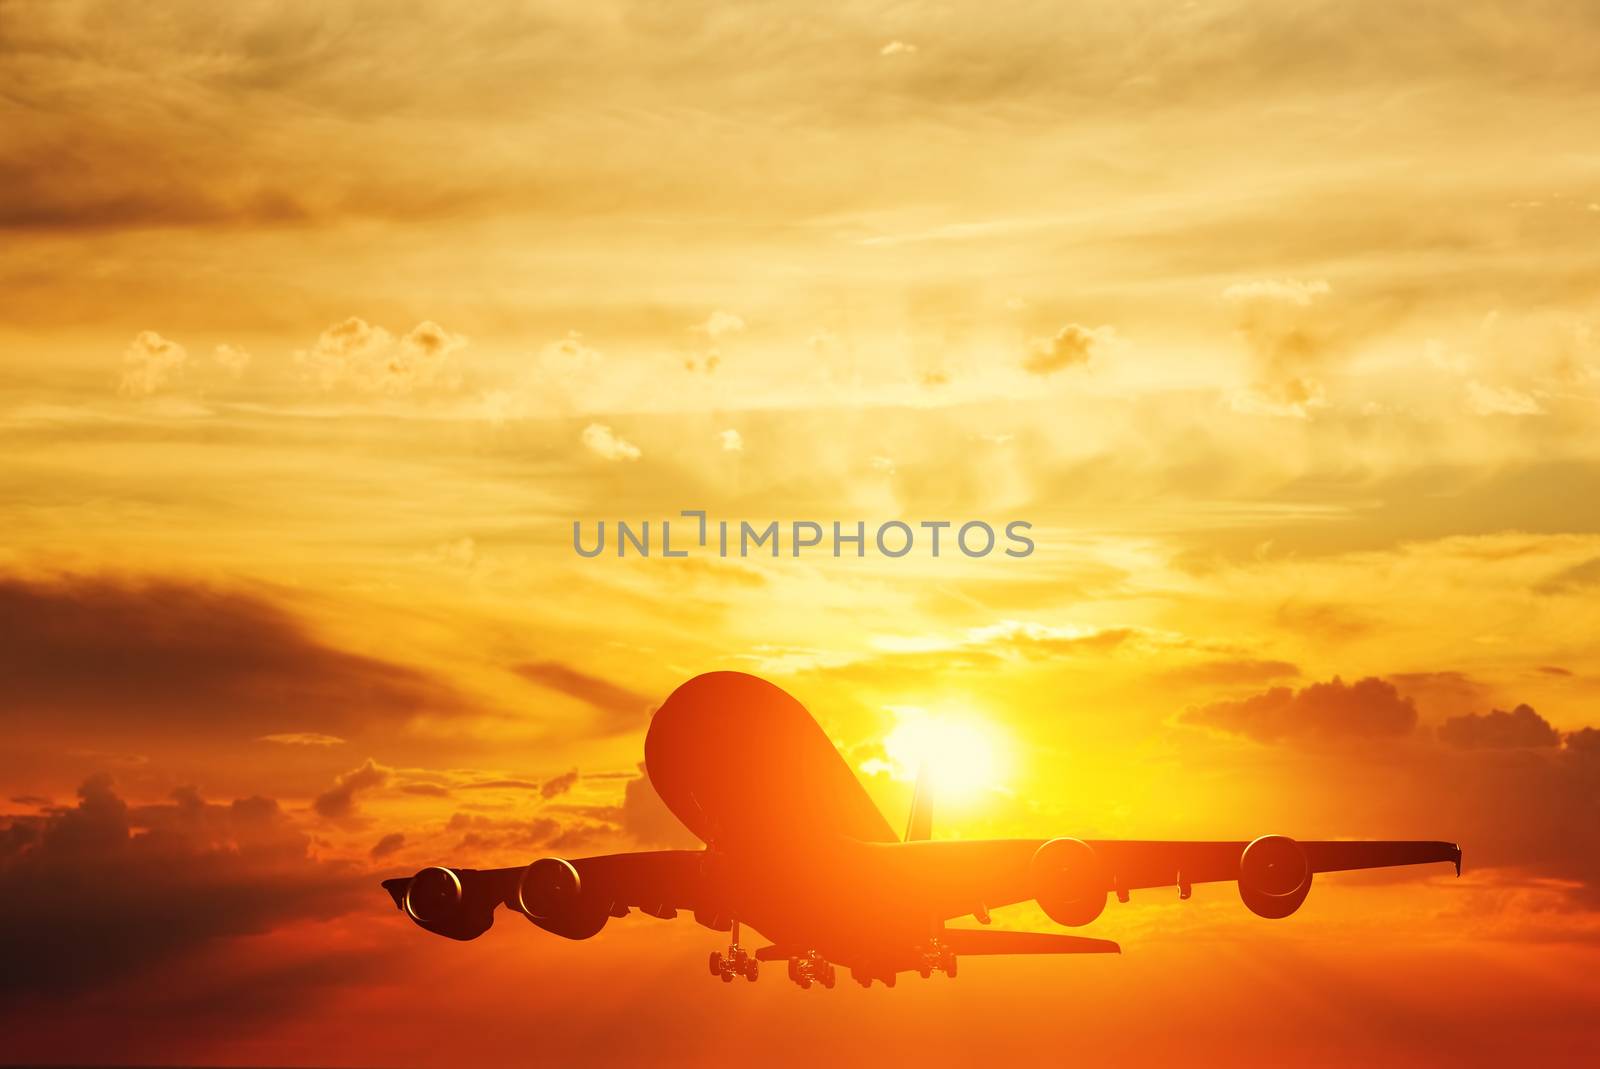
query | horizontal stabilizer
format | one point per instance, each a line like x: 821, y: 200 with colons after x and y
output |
x: 965, y: 941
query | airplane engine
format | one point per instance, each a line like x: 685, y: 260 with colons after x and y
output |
x: 1069, y: 880
x: 1274, y: 876
x: 435, y: 900
x: 552, y: 895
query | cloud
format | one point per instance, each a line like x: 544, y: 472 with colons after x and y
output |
x: 1288, y: 333
x: 1072, y: 345
x: 1034, y: 639
x: 487, y: 836
x: 149, y: 363
x: 355, y: 355
x: 1499, y: 730
x: 623, y: 709
x: 1578, y: 578
x: 339, y: 801
x: 388, y: 844
x: 303, y: 738
x: 897, y: 48
x: 1231, y: 672
x: 647, y: 820
x: 1500, y: 401
x: 558, y: 785
x: 231, y: 359
x: 88, y: 901
x: 1370, y: 708
x: 108, y: 658
x: 602, y: 442
x: 720, y: 323
x: 732, y: 441
x: 1290, y: 292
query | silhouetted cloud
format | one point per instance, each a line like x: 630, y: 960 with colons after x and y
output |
x: 486, y: 836
x: 1499, y: 730
x: 339, y: 801
x: 88, y: 901
x: 1577, y: 579
x: 647, y: 820
x: 112, y: 657
x: 558, y: 785
x: 1332, y: 711
x: 388, y: 844
x: 624, y: 709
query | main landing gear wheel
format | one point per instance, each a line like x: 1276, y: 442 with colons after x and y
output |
x: 736, y: 962
x: 811, y: 968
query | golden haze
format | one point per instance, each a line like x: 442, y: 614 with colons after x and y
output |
x: 320, y: 324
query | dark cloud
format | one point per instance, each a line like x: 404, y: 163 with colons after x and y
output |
x: 558, y: 785
x: 1518, y: 798
x: 1585, y: 741
x: 339, y: 801
x: 623, y: 709
x: 1574, y: 580
x: 1441, y: 694
x: 1370, y: 708
x: 427, y: 790
x: 1554, y: 670
x: 489, y: 835
x: 1499, y: 730
x: 388, y: 844
x: 106, y: 656
x: 647, y: 820
x: 88, y: 900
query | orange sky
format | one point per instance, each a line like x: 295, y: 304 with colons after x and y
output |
x: 319, y: 326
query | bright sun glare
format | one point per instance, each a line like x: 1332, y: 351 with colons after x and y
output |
x: 962, y: 751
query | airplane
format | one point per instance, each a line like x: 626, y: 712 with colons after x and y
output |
x: 796, y: 851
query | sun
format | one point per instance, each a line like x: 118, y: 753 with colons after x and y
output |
x: 963, y: 753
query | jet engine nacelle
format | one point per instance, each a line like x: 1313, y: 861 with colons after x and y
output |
x: 551, y: 894
x: 1069, y: 881
x: 437, y: 901
x: 1274, y: 876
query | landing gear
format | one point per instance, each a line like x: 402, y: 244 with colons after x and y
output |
x: 811, y: 968
x: 936, y: 955
x: 736, y: 962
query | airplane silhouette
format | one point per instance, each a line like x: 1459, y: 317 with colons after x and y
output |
x: 797, y: 851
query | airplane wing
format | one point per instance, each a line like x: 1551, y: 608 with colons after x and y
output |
x: 965, y: 942
x: 460, y: 903
x: 1136, y: 864
x: 956, y: 878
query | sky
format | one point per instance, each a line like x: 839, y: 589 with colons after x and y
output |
x: 321, y: 325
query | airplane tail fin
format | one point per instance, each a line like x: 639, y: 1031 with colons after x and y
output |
x: 920, y: 824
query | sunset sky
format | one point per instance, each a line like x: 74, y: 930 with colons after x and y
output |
x: 320, y: 325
